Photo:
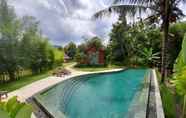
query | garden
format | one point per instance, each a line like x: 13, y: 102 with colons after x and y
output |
x: 158, y: 41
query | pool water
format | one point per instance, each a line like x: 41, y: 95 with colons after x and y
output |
x: 107, y: 95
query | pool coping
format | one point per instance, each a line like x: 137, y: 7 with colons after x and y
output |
x: 155, y: 107
x: 154, y: 103
x: 33, y: 100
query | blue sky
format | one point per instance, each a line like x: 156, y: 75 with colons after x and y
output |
x: 68, y: 20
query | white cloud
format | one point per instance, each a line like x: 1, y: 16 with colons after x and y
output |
x: 67, y: 20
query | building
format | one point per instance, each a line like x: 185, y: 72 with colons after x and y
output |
x: 94, y: 56
x: 66, y: 58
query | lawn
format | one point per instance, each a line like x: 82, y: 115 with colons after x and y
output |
x: 94, y: 68
x: 168, y: 99
x: 23, y: 81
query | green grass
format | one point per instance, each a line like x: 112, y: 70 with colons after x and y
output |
x: 99, y: 68
x: 68, y: 63
x: 168, y: 99
x: 168, y: 102
x: 23, y: 81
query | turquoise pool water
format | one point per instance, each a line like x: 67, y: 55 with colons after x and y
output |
x: 107, y: 95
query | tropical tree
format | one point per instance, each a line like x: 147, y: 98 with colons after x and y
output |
x: 70, y: 50
x: 119, y: 42
x: 148, y: 57
x: 9, y: 40
x: 181, y: 59
x: 166, y: 10
x: 94, y: 42
x: 176, y: 37
x: 58, y: 56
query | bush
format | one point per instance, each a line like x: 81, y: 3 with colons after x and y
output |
x: 15, y: 109
x: 168, y: 102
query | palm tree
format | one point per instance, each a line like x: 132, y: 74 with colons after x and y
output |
x: 165, y: 10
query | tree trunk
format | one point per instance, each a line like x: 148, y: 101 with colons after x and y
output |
x: 165, y: 39
x: 11, y: 75
x: 184, y: 105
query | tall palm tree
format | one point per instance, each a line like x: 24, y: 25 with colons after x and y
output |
x: 165, y: 10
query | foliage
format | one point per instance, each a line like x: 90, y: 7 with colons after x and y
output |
x: 168, y: 102
x: 136, y: 44
x: 119, y: 42
x: 168, y: 99
x: 58, y: 56
x: 180, y: 81
x: 176, y: 34
x: 180, y: 84
x: 166, y: 11
x: 149, y: 57
x: 144, y: 43
x: 94, y: 42
x: 70, y: 50
x: 181, y: 60
x: 10, y: 32
x: 180, y: 75
x: 81, y: 55
x: 15, y: 109
x: 22, y: 47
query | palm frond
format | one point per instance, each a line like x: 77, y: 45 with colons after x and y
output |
x: 134, y: 1
x: 121, y: 9
x: 152, y: 18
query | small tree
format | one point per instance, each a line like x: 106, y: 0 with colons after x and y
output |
x: 70, y: 50
x: 119, y: 43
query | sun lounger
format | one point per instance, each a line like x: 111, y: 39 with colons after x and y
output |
x: 62, y: 72
x: 3, y: 95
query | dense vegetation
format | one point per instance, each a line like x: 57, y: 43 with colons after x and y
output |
x: 70, y: 50
x: 14, y: 109
x: 135, y: 44
x: 81, y: 52
x: 22, y: 47
x: 180, y: 76
x: 140, y: 45
x: 23, y: 50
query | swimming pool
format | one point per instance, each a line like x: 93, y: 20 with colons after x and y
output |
x: 105, y: 95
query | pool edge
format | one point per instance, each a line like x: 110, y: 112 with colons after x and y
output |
x: 33, y: 99
x: 155, y: 107
x: 153, y: 111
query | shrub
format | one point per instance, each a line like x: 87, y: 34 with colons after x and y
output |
x: 15, y: 109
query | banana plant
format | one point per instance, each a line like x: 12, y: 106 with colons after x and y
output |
x: 180, y: 84
x: 14, y: 109
x: 148, y: 56
x: 180, y: 75
x: 181, y: 59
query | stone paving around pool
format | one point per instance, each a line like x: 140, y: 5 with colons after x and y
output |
x: 30, y: 90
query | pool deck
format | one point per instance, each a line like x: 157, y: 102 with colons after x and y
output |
x: 155, y: 109
x: 28, y: 91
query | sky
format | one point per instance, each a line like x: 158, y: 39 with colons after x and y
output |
x: 63, y: 21
x: 67, y: 20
